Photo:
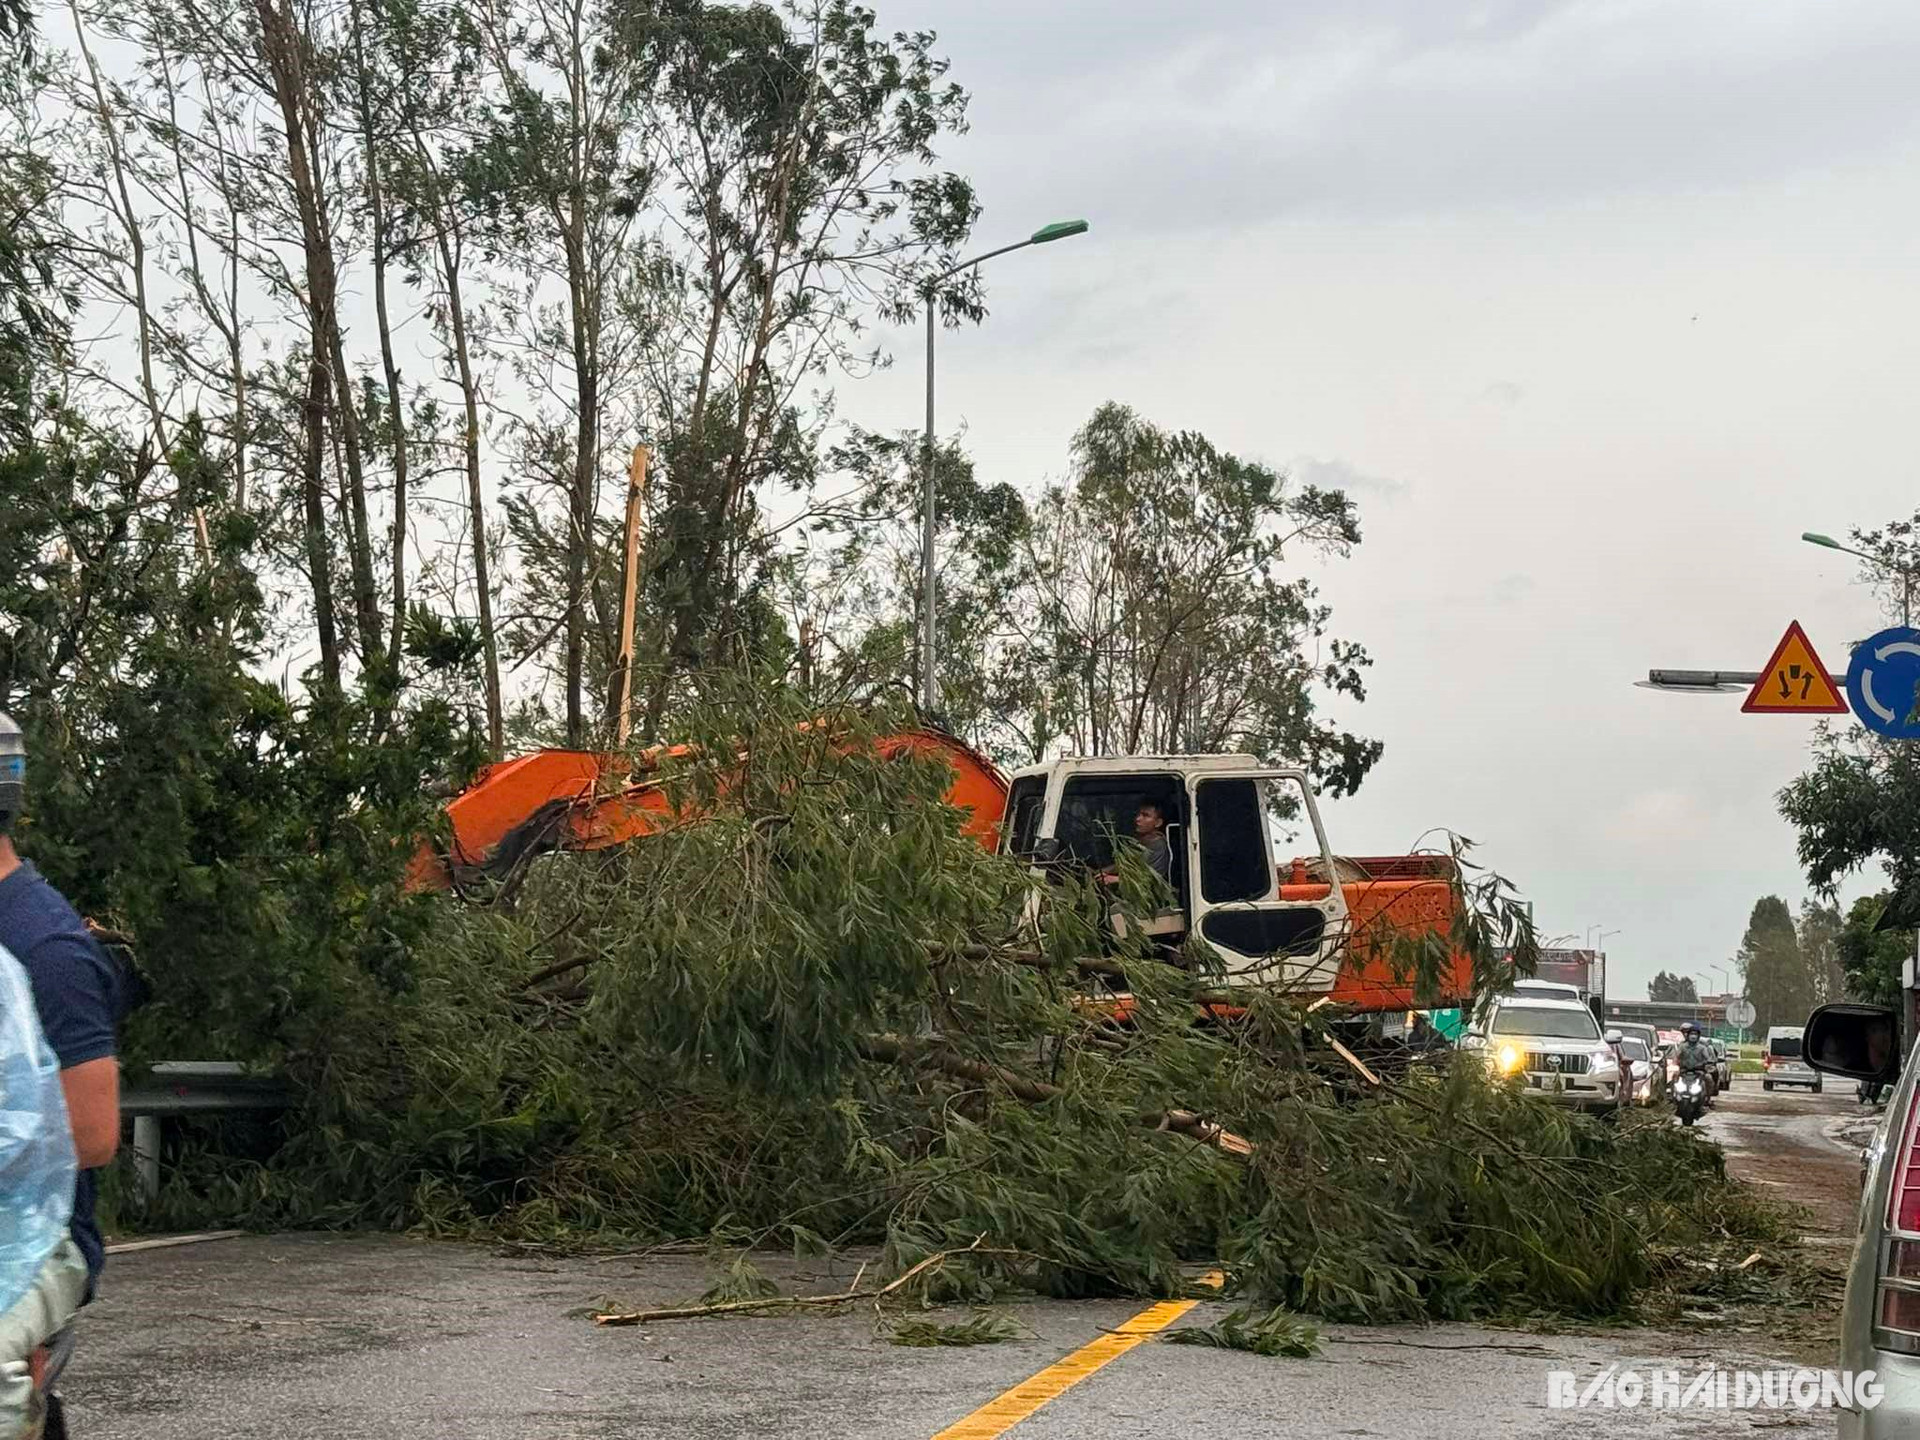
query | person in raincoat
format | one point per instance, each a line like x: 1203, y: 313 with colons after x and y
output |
x: 43, y: 1275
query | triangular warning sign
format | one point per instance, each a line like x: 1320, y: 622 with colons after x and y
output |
x: 1794, y: 681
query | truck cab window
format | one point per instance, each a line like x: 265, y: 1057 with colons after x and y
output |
x: 1026, y: 803
x: 1098, y: 810
x: 1234, y: 864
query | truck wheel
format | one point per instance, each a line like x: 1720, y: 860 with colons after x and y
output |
x: 1816, y: 1087
x: 1766, y: 1085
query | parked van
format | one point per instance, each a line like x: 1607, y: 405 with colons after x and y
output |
x: 1783, y: 1062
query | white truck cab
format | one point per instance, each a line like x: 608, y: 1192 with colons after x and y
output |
x: 1227, y: 886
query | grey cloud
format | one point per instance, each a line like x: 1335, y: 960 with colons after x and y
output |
x: 1136, y: 114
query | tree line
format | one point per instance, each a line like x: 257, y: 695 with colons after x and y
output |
x: 327, y: 334
x: 367, y: 303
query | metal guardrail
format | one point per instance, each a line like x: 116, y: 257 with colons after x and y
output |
x: 174, y: 1088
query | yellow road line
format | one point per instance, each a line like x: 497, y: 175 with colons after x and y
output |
x: 1007, y: 1410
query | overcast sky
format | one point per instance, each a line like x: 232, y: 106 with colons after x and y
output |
x: 1595, y: 307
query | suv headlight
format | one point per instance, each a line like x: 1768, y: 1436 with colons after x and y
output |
x: 1508, y: 1058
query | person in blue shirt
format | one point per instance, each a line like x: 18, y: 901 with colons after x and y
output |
x: 76, y: 991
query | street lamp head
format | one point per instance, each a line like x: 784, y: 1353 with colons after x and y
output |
x: 1815, y: 538
x: 1059, y: 230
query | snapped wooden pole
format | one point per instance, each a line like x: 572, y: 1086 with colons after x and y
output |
x: 629, y: 591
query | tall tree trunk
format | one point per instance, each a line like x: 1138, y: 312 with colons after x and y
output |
x: 583, y: 301
x: 366, y: 595
x: 470, y: 398
x: 284, y: 51
x: 313, y: 498
x: 396, y: 406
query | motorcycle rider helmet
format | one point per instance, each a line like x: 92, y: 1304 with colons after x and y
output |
x: 13, y: 772
x: 1690, y: 1030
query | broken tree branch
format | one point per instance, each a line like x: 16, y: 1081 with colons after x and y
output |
x: 893, y: 1050
x: 784, y: 1302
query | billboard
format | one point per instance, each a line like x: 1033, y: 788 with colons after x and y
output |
x: 1583, y: 968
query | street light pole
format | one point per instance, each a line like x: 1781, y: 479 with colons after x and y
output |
x: 1905, y: 572
x: 1059, y: 230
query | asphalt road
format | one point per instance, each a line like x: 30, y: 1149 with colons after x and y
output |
x: 326, y: 1336
x: 1805, y: 1147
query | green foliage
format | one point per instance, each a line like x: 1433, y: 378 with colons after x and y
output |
x: 1276, y: 1332
x: 742, y: 1280
x: 1776, y: 976
x: 1818, y: 933
x: 1858, y: 803
x: 1152, y: 604
x: 1871, y: 958
x: 923, y: 1332
x: 1670, y: 987
x: 812, y: 1018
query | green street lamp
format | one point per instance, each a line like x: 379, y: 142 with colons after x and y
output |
x: 1045, y: 235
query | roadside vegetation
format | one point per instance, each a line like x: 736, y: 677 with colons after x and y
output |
x: 814, y: 1021
x: 272, y: 586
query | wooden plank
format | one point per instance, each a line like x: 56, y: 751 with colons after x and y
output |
x: 629, y: 589
x: 163, y: 1242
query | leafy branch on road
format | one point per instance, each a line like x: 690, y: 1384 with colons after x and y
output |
x: 818, y: 1018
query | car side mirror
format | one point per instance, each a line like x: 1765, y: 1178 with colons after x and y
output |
x: 1861, y: 1042
x: 1614, y: 1037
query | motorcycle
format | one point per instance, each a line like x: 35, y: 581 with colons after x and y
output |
x: 1690, y: 1096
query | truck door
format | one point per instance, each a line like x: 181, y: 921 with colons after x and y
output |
x: 1235, y: 889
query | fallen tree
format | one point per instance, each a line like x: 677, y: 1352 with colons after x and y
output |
x: 816, y: 1019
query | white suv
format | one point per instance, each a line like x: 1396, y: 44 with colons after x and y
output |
x: 1556, y: 1044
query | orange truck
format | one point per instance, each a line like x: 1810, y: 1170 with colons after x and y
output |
x: 1317, y: 924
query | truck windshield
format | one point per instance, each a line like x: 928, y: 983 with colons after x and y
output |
x: 1024, y: 806
x: 1549, y: 1024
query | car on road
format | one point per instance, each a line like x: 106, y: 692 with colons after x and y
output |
x: 1782, y: 1061
x: 1650, y: 1037
x: 1880, y: 1317
x: 1723, y: 1072
x: 1649, y: 1075
x: 1556, y: 1045
x: 1670, y: 1053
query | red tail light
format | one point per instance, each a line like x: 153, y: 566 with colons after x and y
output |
x: 1903, y: 1199
x: 1897, y: 1311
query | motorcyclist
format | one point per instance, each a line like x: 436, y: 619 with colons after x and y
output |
x: 1695, y: 1055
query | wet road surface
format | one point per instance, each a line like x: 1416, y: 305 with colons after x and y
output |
x: 325, y: 1336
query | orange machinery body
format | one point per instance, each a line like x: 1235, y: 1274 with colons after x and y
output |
x: 1399, y: 898
x: 584, y: 800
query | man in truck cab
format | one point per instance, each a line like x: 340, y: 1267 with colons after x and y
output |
x: 1150, y: 834
x: 1150, y: 830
